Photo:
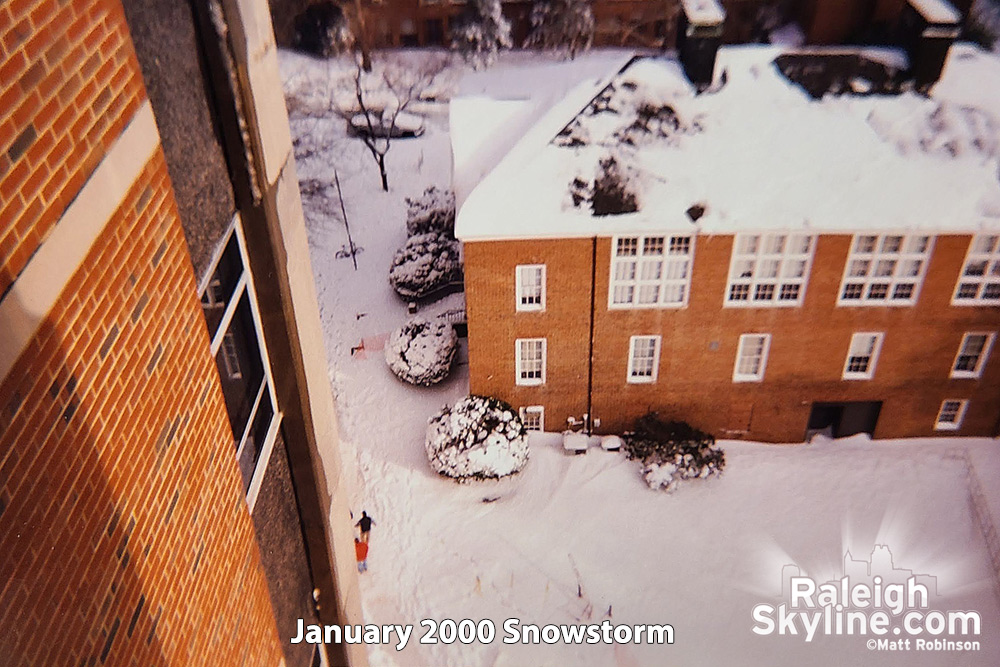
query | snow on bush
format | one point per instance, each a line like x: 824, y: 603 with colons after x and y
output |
x: 941, y: 129
x: 672, y: 451
x: 479, y: 438
x: 420, y: 352
x: 426, y: 263
x: 481, y: 33
x: 433, y: 211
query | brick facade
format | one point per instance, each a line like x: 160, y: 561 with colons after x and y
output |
x: 69, y: 82
x: 124, y: 531
x: 808, y: 348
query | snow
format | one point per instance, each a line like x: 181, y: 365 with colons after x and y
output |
x: 758, y: 135
x: 936, y: 11
x: 789, y: 34
x: 704, y: 12
x: 523, y: 547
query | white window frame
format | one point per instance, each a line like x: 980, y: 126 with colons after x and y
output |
x: 519, y: 362
x: 871, y: 259
x: 869, y: 372
x: 963, y: 405
x: 245, y: 284
x: 682, y: 262
x: 533, y: 409
x: 759, y: 375
x: 984, y: 355
x: 990, y: 257
x: 520, y: 295
x: 630, y: 376
x: 752, y: 254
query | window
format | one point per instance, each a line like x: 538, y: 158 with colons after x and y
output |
x: 769, y: 269
x: 972, y: 355
x: 650, y: 271
x: 751, y: 357
x: 530, y: 361
x: 531, y: 287
x: 979, y: 284
x: 643, y: 359
x: 229, y: 304
x: 885, y: 270
x: 950, y: 415
x: 533, y: 417
x: 862, y: 355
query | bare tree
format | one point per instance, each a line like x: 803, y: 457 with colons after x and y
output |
x: 380, y: 99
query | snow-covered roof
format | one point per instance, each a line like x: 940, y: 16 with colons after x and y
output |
x: 757, y: 153
x: 936, y: 11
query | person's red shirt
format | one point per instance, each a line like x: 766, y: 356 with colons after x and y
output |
x: 360, y: 550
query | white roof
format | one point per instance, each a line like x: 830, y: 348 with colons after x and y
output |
x: 761, y: 154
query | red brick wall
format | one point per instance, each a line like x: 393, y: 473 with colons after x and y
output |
x: 69, y: 82
x: 805, y: 364
x: 124, y: 532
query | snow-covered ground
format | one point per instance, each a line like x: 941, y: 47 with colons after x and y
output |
x: 578, y: 539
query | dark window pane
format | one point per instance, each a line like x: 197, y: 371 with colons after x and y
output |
x: 220, y: 287
x: 240, y: 367
x: 255, y: 439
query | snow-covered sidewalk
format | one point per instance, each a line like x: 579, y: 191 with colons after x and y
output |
x: 578, y: 539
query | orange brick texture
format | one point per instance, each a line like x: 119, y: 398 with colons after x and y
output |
x: 124, y: 534
x: 69, y: 82
x: 809, y: 344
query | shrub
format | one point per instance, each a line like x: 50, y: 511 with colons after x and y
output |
x: 421, y: 351
x: 432, y: 212
x: 613, y: 193
x: 322, y: 30
x: 426, y: 263
x: 479, y: 438
x: 672, y: 451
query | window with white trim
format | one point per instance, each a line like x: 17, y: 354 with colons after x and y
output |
x: 229, y: 304
x: 862, y: 356
x: 951, y: 414
x: 751, y: 357
x: 643, y: 359
x: 530, y: 280
x: 979, y: 284
x: 769, y: 269
x: 650, y: 271
x: 972, y: 354
x: 885, y: 270
x: 533, y: 417
x: 530, y: 361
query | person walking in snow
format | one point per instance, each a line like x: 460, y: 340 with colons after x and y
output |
x: 361, y: 553
x: 365, y: 523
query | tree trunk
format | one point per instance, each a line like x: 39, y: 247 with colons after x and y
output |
x: 381, y: 171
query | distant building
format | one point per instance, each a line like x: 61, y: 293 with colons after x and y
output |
x: 162, y: 496
x: 795, y: 265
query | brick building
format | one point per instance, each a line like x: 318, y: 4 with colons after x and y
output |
x: 795, y: 264
x: 163, y: 498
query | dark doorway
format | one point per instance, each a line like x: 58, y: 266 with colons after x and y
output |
x: 839, y: 420
x: 433, y: 32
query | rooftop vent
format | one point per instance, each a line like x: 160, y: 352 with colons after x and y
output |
x: 928, y: 28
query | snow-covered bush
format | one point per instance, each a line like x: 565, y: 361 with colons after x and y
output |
x: 433, y: 211
x: 322, y: 29
x: 479, y: 438
x: 420, y: 352
x: 672, y: 451
x: 481, y: 33
x: 613, y: 192
x: 426, y: 263
x: 562, y: 25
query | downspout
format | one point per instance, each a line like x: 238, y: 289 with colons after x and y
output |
x: 590, y: 340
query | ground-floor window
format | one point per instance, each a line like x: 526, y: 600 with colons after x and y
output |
x: 533, y: 417
x: 862, y: 356
x: 950, y: 415
x: 751, y: 357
